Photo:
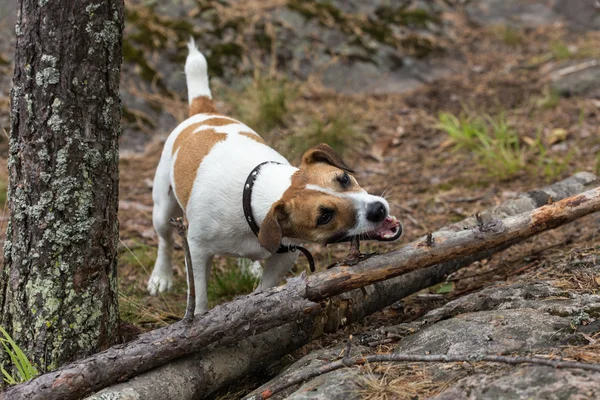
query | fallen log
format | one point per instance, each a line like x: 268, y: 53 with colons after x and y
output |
x: 243, y: 317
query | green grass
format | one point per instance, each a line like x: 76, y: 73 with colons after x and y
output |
x: 24, y: 370
x: 549, y: 100
x: 264, y: 103
x: 508, y: 35
x: 498, y: 148
x: 560, y: 51
x: 548, y: 166
x: 337, y: 130
x: 228, y: 282
x: 597, y: 166
x: 495, y: 144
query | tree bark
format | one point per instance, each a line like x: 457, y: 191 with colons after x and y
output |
x: 58, y: 287
x: 262, y: 311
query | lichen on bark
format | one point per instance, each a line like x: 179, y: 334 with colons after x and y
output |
x: 58, y: 285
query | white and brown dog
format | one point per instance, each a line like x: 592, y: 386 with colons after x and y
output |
x: 204, y: 172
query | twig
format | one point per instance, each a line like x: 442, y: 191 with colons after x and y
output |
x: 190, y: 309
x: 361, y: 360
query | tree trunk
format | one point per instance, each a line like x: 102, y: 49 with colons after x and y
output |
x: 58, y: 288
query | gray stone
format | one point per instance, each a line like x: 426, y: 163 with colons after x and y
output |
x: 541, y: 296
x: 581, y: 78
x: 578, y: 14
x: 489, y: 332
x: 515, y: 13
x: 527, y: 383
x: 336, y: 385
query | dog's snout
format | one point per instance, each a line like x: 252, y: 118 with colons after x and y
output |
x: 376, y: 212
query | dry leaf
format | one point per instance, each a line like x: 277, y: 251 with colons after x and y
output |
x: 557, y: 135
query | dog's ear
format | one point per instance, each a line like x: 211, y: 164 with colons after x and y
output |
x: 270, y: 232
x: 323, y: 153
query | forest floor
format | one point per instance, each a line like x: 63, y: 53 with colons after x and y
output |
x: 400, y: 146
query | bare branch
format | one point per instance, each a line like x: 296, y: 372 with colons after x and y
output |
x: 190, y: 308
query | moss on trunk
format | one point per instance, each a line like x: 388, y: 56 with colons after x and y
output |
x: 58, y: 287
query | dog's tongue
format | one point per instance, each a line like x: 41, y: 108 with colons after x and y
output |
x: 388, y: 228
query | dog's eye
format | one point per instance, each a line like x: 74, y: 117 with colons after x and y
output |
x: 325, y: 217
x: 344, y: 180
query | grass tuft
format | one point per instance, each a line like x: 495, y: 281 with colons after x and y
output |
x: 549, y: 100
x: 508, y: 35
x: 560, y: 51
x: 337, y: 130
x: 498, y: 147
x: 491, y: 139
x: 264, y: 103
x: 24, y: 369
x: 229, y: 281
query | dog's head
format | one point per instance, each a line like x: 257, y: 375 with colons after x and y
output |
x: 325, y: 204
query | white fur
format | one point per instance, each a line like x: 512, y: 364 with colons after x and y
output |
x: 214, y: 210
x: 196, y: 73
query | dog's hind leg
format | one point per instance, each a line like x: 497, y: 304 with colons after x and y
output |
x: 201, y: 263
x: 275, y: 269
x: 165, y: 208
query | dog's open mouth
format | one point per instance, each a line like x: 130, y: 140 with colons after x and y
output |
x: 389, y: 229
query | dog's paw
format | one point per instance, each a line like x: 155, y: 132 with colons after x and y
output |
x: 159, y: 283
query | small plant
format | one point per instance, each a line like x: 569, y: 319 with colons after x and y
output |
x: 3, y: 188
x: 492, y: 140
x: 560, y: 51
x: 264, y: 103
x: 549, y: 100
x: 508, y: 35
x: 24, y: 369
x: 230, y: 281
x: 337, y: 130
x: 463, y: 130
x: 548, y: 166
x: 597, y: 166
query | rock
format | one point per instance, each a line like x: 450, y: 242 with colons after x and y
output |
x: 577, y: 14
x: 519, y: 13
x: 527, y: 383
x: 541, y: 296
x: 581, y: 78
x: 335, y: 385
x: 489, y: 332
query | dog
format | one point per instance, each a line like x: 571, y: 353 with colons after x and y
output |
x: 242, y: 198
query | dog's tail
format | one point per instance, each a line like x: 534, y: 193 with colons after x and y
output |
x: 196, y: 73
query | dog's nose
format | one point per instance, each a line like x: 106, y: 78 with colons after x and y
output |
x: 376, y: 212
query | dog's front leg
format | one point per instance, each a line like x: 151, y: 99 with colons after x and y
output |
x: 275, y: 269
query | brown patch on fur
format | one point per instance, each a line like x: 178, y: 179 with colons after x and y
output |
x: 202, y: 105
x: 295, y: 215
x: 193, y: 147
x: 325, y: 176
x: 323, y: 153
x: 219, y: 121
x: 253, y: 136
